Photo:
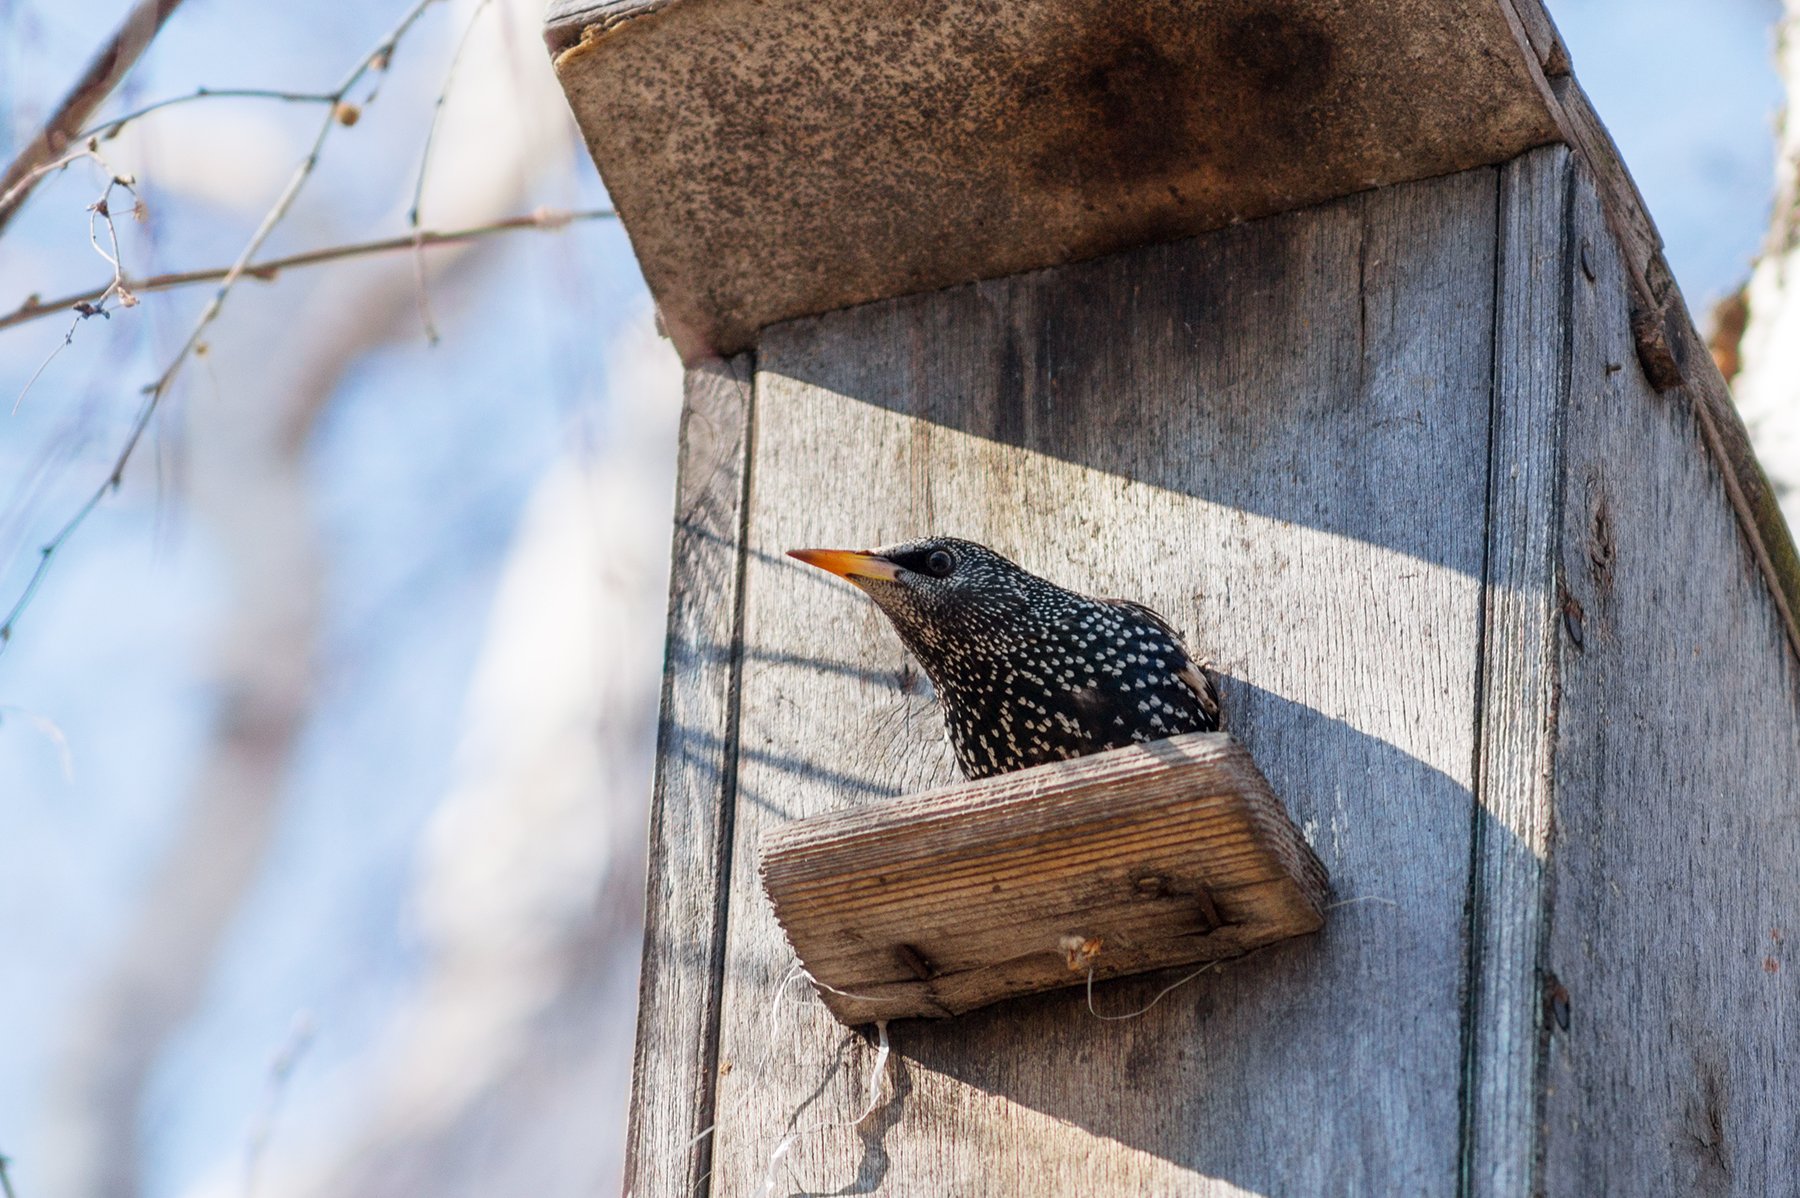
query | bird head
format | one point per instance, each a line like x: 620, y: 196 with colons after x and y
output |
x: 937, y: 587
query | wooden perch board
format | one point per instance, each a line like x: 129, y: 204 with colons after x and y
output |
x: 1158, y: 855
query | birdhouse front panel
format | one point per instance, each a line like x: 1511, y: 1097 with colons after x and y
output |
x: 1278, y: 437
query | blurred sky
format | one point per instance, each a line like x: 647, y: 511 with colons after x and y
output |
x: 421, y: 472
x: 421, y: 469
x: 1689, y: 91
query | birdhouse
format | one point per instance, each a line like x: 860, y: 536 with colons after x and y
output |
x: 1338, y: 334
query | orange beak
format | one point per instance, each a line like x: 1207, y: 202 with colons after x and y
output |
x: 848, y: 564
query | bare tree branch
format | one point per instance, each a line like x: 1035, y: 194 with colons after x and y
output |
x: 109, y: 129
x: 94, y: 304
x: 342, y: 112
x: 15, y: 195
x: 412, y: 216
x: 104, y: 71
x: 275, y: 1085
x: 546, y: 219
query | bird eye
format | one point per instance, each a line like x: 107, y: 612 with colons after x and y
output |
x: 940, y: 563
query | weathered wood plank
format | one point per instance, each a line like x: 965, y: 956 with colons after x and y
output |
x: 774, y: 158
x: 1674, y: 984
x: 1520, y: 626
x: 1277, y: 436
x: 1143, y: 858
x: 1541, y: 36
x: 1765, y: 530
x: 567, y: 21
x: 667, y: 1154
x: 1665, y: 341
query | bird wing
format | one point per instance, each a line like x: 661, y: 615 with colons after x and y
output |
x: 1195, y: 674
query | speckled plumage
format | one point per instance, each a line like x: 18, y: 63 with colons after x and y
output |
x: 1027, y: 671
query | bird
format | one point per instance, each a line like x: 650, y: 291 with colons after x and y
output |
x: 1028, y: 672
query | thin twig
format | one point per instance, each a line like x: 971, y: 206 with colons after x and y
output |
x: 99, y: 210
x: 52, y: 733
x: 543, y: 219
x: 108, y: 129
x: 275, y: 1086
x: 412, y: 215
x: 5, y: 1177
x: 104, y: 71
x: 15, y: 195
x: 68, y: 339
x: 340, y: 113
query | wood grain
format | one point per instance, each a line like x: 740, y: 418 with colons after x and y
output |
x: 1440, y: 478
x: 775, y: 158
x: 1521, y: 622
x: 1764, y: 529
x: 1541, y: 35
x: 1669, y: 349
x: 667, y: 1152
x: 723, y: 130
x: 1276, y: 435
x: 1143, y: 858
x: 1673, y: 981
x: 566, y: 22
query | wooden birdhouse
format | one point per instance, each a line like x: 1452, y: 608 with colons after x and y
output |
x: 1336, y: 332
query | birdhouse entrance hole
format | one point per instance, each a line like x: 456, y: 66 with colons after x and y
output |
x: 1163, y: 854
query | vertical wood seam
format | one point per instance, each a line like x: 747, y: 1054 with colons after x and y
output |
x: 1471, y: 921
x: 700, y: 1184
x: 1508, y: 906
x: 1677, y: 859
x: 676, y: 1054
x: 1551, y: 644
x: 1671, y: 327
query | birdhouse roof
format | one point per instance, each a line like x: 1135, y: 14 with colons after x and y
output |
x: 779, y: 158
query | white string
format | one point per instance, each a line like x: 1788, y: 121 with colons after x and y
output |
x: 774, y: 1021
x: 807, y: 974
x: 1361, y: 898
x: 877, y: 1074
x: 1180, y: 982
x: 1172, y: 986
x: 798, y: 970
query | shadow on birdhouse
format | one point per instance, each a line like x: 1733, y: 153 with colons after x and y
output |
x: 1352, y: 307
x: 1163, y: 854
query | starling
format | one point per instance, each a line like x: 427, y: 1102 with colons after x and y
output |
x: 1028, y: 672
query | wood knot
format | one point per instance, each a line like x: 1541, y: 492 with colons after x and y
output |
x: 1602, y: 545
x: 1574, y: 620
x: 916, y: 962
x: 1556, y: 1000
x: 1210, y: 918
x: 1658, y: 346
